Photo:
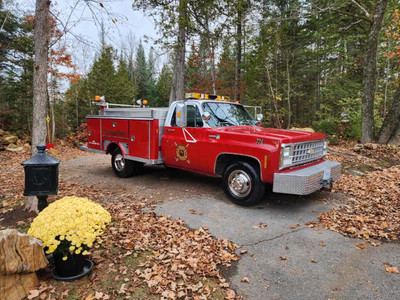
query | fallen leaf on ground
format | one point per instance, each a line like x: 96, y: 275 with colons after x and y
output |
x: 245, y: 279
x: 391, y: 269
x: 33, y: 294
x: 361, y: 246
x: 322, y: 244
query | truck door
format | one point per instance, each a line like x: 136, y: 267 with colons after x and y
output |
x: 183, y: 147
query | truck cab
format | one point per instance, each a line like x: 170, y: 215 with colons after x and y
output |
x: 218, y: 138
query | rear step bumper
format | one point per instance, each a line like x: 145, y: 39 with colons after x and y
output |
x: 307, y: 180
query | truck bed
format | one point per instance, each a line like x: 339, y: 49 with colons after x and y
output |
x: 136, y: 131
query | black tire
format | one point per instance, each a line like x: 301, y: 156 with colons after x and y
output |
x: 122, y: 167
x: 242, y: 184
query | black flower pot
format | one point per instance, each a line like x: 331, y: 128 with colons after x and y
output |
x: 71, y: 267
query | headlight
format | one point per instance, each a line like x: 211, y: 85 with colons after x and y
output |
x: 286, y: 156
x: 286, y: 151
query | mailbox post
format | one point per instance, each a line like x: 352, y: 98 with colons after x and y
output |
x: 41, y: 176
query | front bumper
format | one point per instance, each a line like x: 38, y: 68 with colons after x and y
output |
x: 307, y: 180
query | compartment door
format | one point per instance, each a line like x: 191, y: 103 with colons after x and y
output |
x: 139, y: 138
x: 93, y: 131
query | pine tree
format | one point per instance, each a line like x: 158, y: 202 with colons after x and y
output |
x: 164, y: 85
x: 141, y: 73
x: 152, y: 92
x: 101, y: 78
x: 124, y: 91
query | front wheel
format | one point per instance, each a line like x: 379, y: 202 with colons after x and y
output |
x: 242, y: 184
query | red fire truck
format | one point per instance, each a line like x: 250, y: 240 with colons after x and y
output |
x: 216, y: 137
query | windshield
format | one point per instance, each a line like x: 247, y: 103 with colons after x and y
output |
x: 227, y: 114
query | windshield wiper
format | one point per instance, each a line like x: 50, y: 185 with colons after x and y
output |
x: 224, y: 121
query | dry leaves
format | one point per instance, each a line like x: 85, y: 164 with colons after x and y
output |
x: 373, y: 210
x: 176, y: 256
x: 391, y: 269
x: 361, y: 246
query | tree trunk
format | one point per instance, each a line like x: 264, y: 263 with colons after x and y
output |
x: 288, y: 91
x: 391, y: 121
x: 41, y: 41
x: 369, y: 73
x: 395, y: 138
x: 238, y: 53
x: 178, y: 84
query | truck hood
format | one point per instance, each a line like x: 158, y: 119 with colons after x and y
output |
x: 282, y: 135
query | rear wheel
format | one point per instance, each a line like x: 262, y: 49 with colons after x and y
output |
x: 242, y: 184
x: 122, y: 168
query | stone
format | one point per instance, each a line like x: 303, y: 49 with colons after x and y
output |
x: 356, y: 173
x: 371, y: 146
x: 7, y: 140
x: 358, y: 147
x: 14, y: 148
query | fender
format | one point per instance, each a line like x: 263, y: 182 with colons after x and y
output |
x: 112, y: 145
x: 236, y: 154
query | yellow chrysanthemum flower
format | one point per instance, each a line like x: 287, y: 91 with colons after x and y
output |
x: 75, y: 221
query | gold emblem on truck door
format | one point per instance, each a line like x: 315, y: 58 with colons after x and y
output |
x: 182, y: 153
x: 259, y: 141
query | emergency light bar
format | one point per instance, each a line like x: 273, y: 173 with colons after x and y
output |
x: 199, y: 96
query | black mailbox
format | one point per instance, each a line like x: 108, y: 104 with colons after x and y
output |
x: 41, y: 176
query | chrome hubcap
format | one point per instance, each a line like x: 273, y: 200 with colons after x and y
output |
x: 119, y: 162
x: 239, y: 183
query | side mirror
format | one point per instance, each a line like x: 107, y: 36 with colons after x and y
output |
x: 206, y: 116
x: 180, y: 114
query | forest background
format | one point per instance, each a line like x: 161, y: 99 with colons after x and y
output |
x: 304, y: 62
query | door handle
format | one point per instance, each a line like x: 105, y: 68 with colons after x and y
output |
x: 214, y: 136
x: 169, y: 130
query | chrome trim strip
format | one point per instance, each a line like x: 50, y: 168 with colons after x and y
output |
x: 84, y: 148
x: 145, y: 160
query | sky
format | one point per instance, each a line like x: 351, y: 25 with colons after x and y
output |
x: 83, y: 26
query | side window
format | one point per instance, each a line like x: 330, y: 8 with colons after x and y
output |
x: 173, y: 119
x: 193, y: 116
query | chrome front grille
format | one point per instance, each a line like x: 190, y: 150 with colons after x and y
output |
x: 304, y: 152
